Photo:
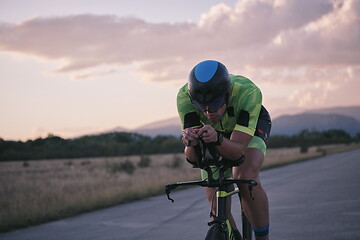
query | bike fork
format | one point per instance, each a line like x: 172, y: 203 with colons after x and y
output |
x: 221, y: 219
x: 222, y: 195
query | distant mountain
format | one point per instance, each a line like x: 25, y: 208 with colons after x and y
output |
x: 346, y: 118
x: 167, y: 122
x: 169, y: 126
x: 117, y: 129
x: 353, y: 111
x: 172, y: 130
x: 293, y: 124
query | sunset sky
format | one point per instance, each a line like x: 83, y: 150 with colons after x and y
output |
x: 71, y: 67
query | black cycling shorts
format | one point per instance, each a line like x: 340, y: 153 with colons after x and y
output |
x: 263, y: 126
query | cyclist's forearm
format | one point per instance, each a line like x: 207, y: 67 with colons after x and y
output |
x: 190, y: 153
x: 231, y: 150
x: 234, y: 147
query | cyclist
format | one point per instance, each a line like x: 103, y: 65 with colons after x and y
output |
x: 226, y: 110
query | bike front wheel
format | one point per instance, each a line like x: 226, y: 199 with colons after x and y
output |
x: 216, y: 232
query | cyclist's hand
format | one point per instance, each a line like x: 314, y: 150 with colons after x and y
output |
x: 190, y: 137
x: 208, y: 134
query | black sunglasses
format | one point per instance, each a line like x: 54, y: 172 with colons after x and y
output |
x: 212, y: 106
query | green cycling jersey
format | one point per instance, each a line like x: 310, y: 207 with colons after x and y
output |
x: 241, y: 114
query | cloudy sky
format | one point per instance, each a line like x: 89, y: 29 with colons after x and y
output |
x: 71, y: 67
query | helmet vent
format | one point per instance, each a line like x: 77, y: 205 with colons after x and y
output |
x: 204, y: 71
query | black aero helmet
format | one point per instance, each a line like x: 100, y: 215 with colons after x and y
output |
x: 208, y: 81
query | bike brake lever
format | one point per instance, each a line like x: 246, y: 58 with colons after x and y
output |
x: 251, y: 186
x: 168, y: 189
x: 168, y: 196
x: 251, y: 194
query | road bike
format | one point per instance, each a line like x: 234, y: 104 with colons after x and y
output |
x: 208, y: 159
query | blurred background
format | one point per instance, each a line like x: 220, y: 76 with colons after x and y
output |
x: 72, y: 68
x: 93, y: 84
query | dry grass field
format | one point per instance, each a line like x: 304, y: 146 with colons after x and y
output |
x: 33, y: 192
x: 38, y: 191
x: 283, y: 156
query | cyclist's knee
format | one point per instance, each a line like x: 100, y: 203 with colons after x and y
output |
x: 251, y: 167
x: 246, y: 172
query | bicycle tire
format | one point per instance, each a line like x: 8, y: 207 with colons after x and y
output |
x: 216, y: 232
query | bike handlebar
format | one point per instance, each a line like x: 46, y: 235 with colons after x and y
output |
x: 220, y: 163
x: 226, y: 182
x: 215, y: 159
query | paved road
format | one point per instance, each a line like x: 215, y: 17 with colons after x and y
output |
x: 318, y: 199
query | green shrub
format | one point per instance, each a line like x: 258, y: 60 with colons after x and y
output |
x: 127, y: 167
x: 304, y: 148
x: 83, y: 163
x: 321, y: 150
x: 145, y: 161
x: 68, y: 163
x: 176, y: 163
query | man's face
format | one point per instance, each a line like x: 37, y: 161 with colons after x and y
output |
x: 215, y: 116
x: 211, y: 106
x: 212, y: 110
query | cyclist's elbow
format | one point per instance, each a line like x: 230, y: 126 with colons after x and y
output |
x: 190, y: 154
x: 234, y: 156
x: 232, y: 150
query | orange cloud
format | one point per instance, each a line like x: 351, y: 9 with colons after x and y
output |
x: 248, y: 30
x: 272, y: 37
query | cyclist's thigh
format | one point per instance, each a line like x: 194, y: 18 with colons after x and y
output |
x: 254, y: 158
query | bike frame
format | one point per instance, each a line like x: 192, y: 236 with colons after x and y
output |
x: 221, y: 195
x: 221, y: 184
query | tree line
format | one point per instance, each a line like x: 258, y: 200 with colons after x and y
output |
x: 126, y: 143
x: 103, y: 145
x: 307, y: 138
